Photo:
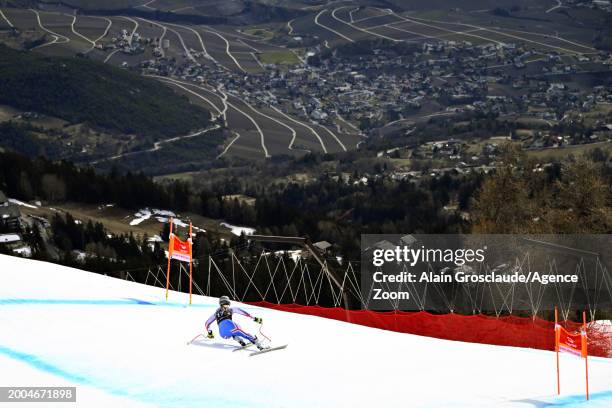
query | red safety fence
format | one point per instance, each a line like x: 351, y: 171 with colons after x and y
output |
x: 503, y: 331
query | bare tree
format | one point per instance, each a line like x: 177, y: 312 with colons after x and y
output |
x: 54, y: 187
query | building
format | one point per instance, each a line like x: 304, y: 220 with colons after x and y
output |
x: 10, y: 216
x: 322, y: 246
x: 408, y: 240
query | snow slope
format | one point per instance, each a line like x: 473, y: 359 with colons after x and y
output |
x: 122, y: 345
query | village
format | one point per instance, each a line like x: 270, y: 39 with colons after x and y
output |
x: 372, y: 92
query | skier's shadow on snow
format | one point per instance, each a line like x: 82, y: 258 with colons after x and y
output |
x: 224, y: 346
x: 536, y: 403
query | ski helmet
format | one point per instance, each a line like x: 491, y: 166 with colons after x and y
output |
x: 224, y: 301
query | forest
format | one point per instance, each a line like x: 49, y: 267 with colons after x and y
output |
x: 567, y: 196
x: 83, y: 91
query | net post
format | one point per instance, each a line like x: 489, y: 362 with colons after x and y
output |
x: 190, y: 261
x: 585, y: 352
x: 169, y: 258
x: 557, y: 349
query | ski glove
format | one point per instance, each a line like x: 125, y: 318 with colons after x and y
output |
x: 258, y: 320
x: 210, y: 335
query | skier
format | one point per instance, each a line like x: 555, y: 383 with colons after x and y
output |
x: 227, y: 327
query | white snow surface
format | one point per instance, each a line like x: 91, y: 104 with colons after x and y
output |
x: 121, y: 344
x: 236, y: 230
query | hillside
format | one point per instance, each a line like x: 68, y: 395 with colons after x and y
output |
x: 78, y: 90
x: 466, y: 4
x: 88, y: 4
x: 192, y: 11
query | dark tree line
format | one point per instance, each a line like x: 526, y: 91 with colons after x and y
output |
x: 337, y: 211
x: 42, y: 179
x: 326, y: 209
x: 90, y: 247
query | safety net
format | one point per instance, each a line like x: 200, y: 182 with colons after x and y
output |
x: 513, y: 331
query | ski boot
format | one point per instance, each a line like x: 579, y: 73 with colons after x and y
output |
x: 240, y: 341
x: 259, y: 344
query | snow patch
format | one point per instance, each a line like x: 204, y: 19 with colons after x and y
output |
x: 141, y: 216
x: 162, y: 216
x: 236, y: 230
x: 23, y: 251
x: 7, y: 238
x: 295, y: 255
x: 164, y: 213
x: 80, y: 256
x: 21, y: 203
x: 179, y: 223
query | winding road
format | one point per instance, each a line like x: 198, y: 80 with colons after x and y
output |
x: 146, y: 5
x: 158, y: 145
x: 227, y: 46
x: 225, y: 99
x: 108, y: 27
x: 57, y: 37
x: 75, y: 32
x: 199, y: 37
x: 288, y: 26
x: 246, y: 115
x: 316, y: 21
x: 131, y: 37
x: 559, y: 5
x: 333, y: 14
x: 6, y: 19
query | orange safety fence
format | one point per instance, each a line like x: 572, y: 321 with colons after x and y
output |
x: 503, y: 331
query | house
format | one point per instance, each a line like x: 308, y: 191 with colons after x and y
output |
x: 384, y: 245
x: 322, y: 246
x: 10, y: 216
x: 408, y: 240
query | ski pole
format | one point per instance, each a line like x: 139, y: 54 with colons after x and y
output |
x: 260, y: 332
x: 191, y: 341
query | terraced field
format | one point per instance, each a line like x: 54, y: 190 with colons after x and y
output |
x: 257, y: 129
x: 260, y: 131
x: 344, y: 24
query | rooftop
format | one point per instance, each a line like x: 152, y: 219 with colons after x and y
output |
x: 7, y: 209
x: 10, y: 211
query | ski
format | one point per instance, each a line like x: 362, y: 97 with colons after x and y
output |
x: 268, y: 350
x: 243, y: 347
